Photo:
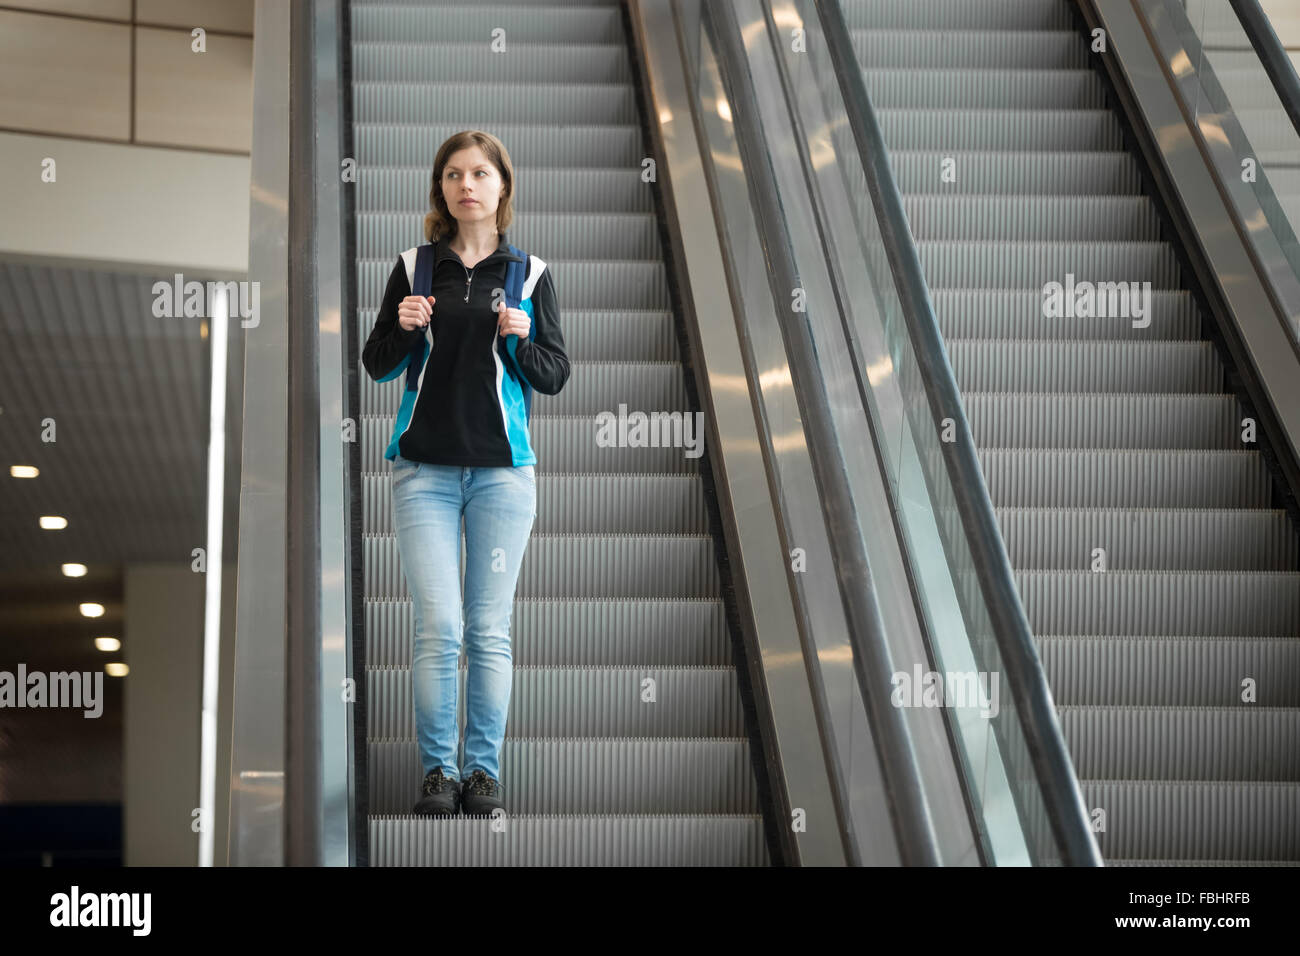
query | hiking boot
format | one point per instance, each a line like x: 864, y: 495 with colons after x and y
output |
x: 440, y: 795
x: 481, y: 795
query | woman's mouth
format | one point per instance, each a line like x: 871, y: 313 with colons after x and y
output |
x: 469, y: 202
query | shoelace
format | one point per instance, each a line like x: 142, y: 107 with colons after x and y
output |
x: 481, y: 783
x: 434, y: 782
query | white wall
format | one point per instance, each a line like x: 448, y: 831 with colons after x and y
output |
x: 128, y: 205
x: 162, y: 643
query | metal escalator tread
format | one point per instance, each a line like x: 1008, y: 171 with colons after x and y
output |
x: 1093, y: 434
x: 619, y: 582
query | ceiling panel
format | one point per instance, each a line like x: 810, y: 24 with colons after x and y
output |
x: 127, y: 393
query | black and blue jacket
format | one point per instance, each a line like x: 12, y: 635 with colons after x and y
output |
x: 468, y: 391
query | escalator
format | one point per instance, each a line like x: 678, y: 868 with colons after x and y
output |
x: 847, y: 244
x: 1155, y: 565
x: 620, y: 588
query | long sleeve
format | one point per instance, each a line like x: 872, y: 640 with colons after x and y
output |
x: 389, y: 345
x: 542, y: 358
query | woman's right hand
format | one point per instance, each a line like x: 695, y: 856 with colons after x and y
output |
x: 414, y: 312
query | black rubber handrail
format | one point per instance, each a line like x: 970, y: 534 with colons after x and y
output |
x: 1272, y: 56
x: 1046, y: 745
x: 360, y: 831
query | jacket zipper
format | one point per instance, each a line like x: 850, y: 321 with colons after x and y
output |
x: 469, y: 275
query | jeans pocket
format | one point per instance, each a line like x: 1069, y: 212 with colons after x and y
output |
x: 403, y: 470
x: 529, y: 472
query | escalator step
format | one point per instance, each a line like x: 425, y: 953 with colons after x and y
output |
x: 1176, y: 821
x: 570, y: 840
x: 1023, y: 49
x: 577, y: 701
x: 1002, y: 365
x: 590, y: 775
x: 1063, y: 420
x: 1125, y: 478
x: 398, y: 61
x: 595, y: 23
x: 1018, y: 314
x: 1162, y: 602
x: 562, y: 443
x: 580, y: 632
x: 1030, y: 265
x: 1145, y: 539
x: 1013, y: 172
x: 931, y: 88
x: 585, y: 504
x: 600, y: 190
x: 487, y: 103
x: 581, y: 565
x: 1026, y: 130
x: 627, y: 335
x: 621, y: 235
x: 641, y: 386
x: 1115, y: 670
x: 991, y: 15
x: 1239, y: 743
x: 1054, y: 218
x: 617, y: 146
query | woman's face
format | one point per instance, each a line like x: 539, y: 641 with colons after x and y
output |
x: 471, y: 185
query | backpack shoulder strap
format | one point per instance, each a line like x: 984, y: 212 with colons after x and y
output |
x: 514, y: 294
x: 515, y: 278
x: 421, y: 284
x: 423, y: 280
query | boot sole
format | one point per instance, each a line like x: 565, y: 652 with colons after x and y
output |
x: 478, y: 813
x: 433, y: 810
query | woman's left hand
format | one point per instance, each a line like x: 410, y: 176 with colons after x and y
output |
x: 513, y: 322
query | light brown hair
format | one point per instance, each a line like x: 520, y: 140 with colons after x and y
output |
x: 439, y: 221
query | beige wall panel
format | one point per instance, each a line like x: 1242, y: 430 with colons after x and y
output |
x: 233, y: 15
x: 101, y: 9
x: 59, y: 75
x: 183, y: 98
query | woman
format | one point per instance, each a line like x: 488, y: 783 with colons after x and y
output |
x: 461, y: 449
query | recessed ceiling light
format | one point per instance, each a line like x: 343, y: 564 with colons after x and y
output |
x: 24, y: 471
x: 92, y: 610
x: 53, y: 522
x: 74, y: 570
x: 116, y: 669
x: 107, y: 643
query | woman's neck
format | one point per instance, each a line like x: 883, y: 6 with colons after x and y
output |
x: 475, y: 241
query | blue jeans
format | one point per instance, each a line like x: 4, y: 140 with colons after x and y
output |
x: 499, y: 506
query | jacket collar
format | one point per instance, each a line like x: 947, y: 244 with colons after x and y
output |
x: 442, y: 250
